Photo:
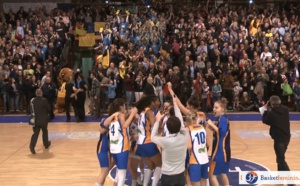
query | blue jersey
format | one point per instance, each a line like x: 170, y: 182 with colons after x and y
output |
x: 103, y: 145
x: 103, y: 142
x: 221, y: 151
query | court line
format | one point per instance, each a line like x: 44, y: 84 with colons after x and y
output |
x: 3, y: 161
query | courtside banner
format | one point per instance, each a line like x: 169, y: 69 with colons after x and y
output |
x: 269, y: 177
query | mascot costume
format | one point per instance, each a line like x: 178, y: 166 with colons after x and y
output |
x: 63, y: 77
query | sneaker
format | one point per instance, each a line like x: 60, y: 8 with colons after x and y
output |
x: 49, y: 144
x: 32, y: 151
x: 139, y: 180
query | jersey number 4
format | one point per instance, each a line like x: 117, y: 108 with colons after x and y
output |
x: 112, y: 130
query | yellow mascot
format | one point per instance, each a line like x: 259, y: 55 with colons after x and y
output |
x: 63, y: 77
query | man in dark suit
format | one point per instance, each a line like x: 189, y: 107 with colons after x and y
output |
x: 277, y: 117
x: 149, y: 88
x: 41, y: 110
x: 49, y: 92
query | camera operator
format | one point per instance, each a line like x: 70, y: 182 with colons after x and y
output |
x: 277, y: 117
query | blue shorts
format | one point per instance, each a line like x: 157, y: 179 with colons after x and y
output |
x: 133, y: 149
x: 103, y: 158
x: 217, y: 168
x: 198, y: 172
x: 147, y: 150
x: 121, y: 159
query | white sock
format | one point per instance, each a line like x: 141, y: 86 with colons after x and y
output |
x: 98, y: 184
x: 156, y: 176
x: 117, y: 176
x: 147, y: 177
x: 139, y: 181
x: 121, y: 177
x: 207, y: 182
x: 133, y: 182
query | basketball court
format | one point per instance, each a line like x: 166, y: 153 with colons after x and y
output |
x: 72, y: 159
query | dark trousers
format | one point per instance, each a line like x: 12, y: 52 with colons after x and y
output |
x: 266, y: 93
x: 111, y: 100
x: 72, y: 102
x: 227, y: 93
x: 80, y: 105
x: 51, y: 114
x: 203, y: 105
x: 35, y: 135
x: 174, y: 180
x: 280, y: 149
x: 103, y: 98
x: 95, y: 107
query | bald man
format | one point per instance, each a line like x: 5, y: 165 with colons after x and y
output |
x: 41, y: 110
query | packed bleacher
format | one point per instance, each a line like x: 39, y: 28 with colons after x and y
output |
x: 245, y: 53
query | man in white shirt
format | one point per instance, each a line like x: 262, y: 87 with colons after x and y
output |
x: 265, y: 54
x: 174, y: 148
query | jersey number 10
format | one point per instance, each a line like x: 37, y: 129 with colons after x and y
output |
x: 200, y: 137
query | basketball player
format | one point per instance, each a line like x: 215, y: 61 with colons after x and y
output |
x: 221, y: 153
x: 198, y: 160
x: 103, y: 154
x: 146, y: 148
x: 168, y: 111
x: 134, y: 159
x: 118, y: 136
x: 192, y: 105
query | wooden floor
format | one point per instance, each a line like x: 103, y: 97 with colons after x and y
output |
x: 73, y: 161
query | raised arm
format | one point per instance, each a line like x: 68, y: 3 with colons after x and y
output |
x: 182, y: 108
x: 212, y: 126
x: 155, y: 138
x: 102, y: 128
x: 110, y: 118
x: 178, y: 113
x: 151, y: 117
x: 126, y: 122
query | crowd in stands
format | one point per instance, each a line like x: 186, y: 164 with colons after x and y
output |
x: 31, y: 43
x: 243, y: 53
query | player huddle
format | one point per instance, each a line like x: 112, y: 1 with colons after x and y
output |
x: 125, y: 141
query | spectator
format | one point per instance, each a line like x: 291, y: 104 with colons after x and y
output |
x: 182, y: 37
x: 246, y: 103
x: 49, y: 92
x: 149, y: 87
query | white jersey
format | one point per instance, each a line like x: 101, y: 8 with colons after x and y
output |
x: 164, y: 123
x: 133, y: 128
x: 144, y: 129
x: 118, y: 137
x: 198, y: 154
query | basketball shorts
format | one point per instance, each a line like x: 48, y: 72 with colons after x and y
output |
x: 198, y: 172
x: 147, y: 150
x: 103, y: 158
x: 133, y: 149
x: 121, y: 159
x: 217, y: 168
